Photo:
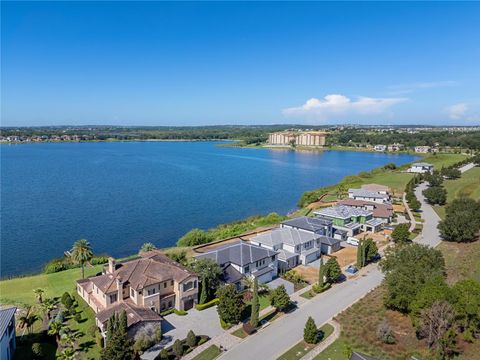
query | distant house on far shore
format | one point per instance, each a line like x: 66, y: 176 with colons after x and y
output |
x: 420, y: 168
x: 380, y: 147
x: 422, y: 149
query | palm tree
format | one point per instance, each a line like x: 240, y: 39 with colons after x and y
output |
x: 147, y: 247
x: 39, y: 294
x: 28, y: 321
x: 68, y: 354
x: 48, y: 306
x: 81, y: 253
x: 341, y: 191
x: 69, y: 338
x: 55, y: 328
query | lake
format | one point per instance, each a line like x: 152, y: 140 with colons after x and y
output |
x: 120, y: 195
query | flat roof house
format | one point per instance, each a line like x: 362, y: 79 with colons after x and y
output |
x: 350, y: 219
x: 368, y: 195
x: 421, y: 168
x: 243, y: 259
x: 142, y: 287
x: 7, y: 333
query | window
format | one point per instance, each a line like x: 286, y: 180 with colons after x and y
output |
x: 151, y: 291
x: 162, y: 307
x: 195, y: 284
x: 188, y: 286
x: 113, y: 298
x: 164, y: 284
x: 169, y: 304
x: 132, y: 292
x: 247, y: 269
x: 171, y: 283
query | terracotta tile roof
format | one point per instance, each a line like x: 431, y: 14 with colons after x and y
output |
x: 151, y: 268
x: 135, y: 314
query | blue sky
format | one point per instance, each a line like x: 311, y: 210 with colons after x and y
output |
x: 156, y: 63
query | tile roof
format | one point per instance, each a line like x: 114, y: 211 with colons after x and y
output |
x: 285, y: 255
x: 329, y: 240
x: 286, y: 235
x: 6, y: 315
x: 308, y: 223
x: 135, y: 314
x: 342, y: 212
x: 151, y: 268
x: 231, y: 275
x: 379, y: 210
x: 240, y: 253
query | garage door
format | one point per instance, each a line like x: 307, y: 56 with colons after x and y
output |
x: 188, y: 305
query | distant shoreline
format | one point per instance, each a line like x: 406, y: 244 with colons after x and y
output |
x: 110, y: 141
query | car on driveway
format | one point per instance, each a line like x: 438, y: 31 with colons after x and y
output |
x: 351, y: 269
x: 353, y: 241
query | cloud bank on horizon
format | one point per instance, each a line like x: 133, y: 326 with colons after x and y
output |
x: 337, y: 106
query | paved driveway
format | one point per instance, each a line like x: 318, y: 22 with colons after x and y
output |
x: 174, y: 327
x: 279, y: 281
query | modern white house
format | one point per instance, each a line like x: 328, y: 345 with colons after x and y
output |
x: 296, y: 246
x: 422, y: 149
x: 421, y: 168
x: 380, y: 147
x: 7, y: 333
x: 369, y: 195
x: 242, y: 259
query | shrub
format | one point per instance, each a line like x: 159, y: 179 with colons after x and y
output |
x: 207, y: 305
x: 164, y: 354
x: 401, y: 234
x: 180, y: 312
x: 203, y: 340
x: 385, y: 333
x: 191, y: 339
x: 147, y: 336
x: 178, y: 348
x: 78, y: 317
x: 194, y: 237
x: 60, y: 318
x: 67, y: 300
x: 37, y: 350
x: 279, y: 298
x: 99, y: 339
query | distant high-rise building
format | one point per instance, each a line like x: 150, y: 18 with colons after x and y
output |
x: 297, y: 138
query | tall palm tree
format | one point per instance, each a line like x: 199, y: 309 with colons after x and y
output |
x: 81, y: 253
x: 28, y: 321
x: 39, y: 294
x: 69, y: 338
x: 48, y: 306
x: 55, y: 329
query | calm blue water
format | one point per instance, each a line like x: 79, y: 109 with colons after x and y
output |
x: 120, y: 195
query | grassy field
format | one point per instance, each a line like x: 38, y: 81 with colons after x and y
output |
x: 467, y: 185
x: 209, y: 353
x: 462, y: 260
x: 19, y: 291
x: 302, y: 348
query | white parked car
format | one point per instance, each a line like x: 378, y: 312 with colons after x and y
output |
x: 353, y: 241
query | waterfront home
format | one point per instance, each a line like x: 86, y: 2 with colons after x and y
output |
x: 368, y: 195
x: 395, y: 147
x: 381, y: 189
x: 349, y: 219
x: 296, y: 246
x: 380, y: 147
x: 384, y: 212
x: 421, y: 168
x: 7, y: 333
x: 242, y: 259
x: 309, y: 224
x: 422, y: 149
x: 143, y: 287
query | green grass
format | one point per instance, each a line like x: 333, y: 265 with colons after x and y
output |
x: 264, y: 301
x: 240, y: 333
x: 308, y: 294
x: 336, y: 351
x: 302, y: 348
x: 467, y: 185
x: 439, y: 160
x: 19, y: 291
x: 209, y: 353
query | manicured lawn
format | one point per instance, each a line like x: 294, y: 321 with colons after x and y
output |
x: 209, y: 353
x: 336, y: 351
x: 307, y: 295
x: 264, y: 301
x: 85, y: 326
x: 19, y: 291
x: 440, y: 160
x: 302, y: 348
x: 240, y: 333
x: 467, y: 185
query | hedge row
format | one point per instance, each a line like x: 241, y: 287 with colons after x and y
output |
x: 207, y: 305
x: 60, y: 264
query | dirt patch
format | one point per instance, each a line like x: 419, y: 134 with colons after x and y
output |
x: 398, y: 208
x: 346, y: 256
x: 310, y: 274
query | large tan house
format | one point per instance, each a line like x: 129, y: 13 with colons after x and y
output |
x: 299, y: 138
x: 143, y: 287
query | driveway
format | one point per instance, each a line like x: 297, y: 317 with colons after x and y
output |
x: 174, y: 327
x: 279, y: 281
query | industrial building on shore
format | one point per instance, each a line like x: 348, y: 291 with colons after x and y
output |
x: 297, y: 138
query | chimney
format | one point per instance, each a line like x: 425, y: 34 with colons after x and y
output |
x: 111, y: 265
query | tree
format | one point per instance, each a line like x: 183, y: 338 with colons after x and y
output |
x: 370, y: 251
x: 55, y: 329
x: 28, y: 320
x: 48, y: 305
x: 279, y: 298
x: 360, y: 255
x: 434, y: 289
x: 67, y: 300
x: 400, y: 234
x: 434, y: 179
x: 466, y: 302
x: 451, y: 173
x: 118, y: 346
x: 164, y: 354
x: 390, y: 166
x: 147, y: 247
x: 67, y: 354
x: 321, y: 280
x: 194, y: 237
x: 39, y: 294
x: 37, y: 351
x: 178, y: 349
x: 341, y: 191
x: 210, y: 273
x: 310, y: 332
x: 81, y: 253
x: 435, y: 195
x: 407, y: 269
x: 462, y: 220
x: 203, y: 292
x: 414, y: 204
x: 436, y: 321
x: 191, y: 339
x: 230, y: 304
x: 255, y: 305
x: 332, y: 270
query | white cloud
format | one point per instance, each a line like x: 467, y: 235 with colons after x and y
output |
x: 457, y: 111
x: 336, y: 105
x: 412, y: 87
